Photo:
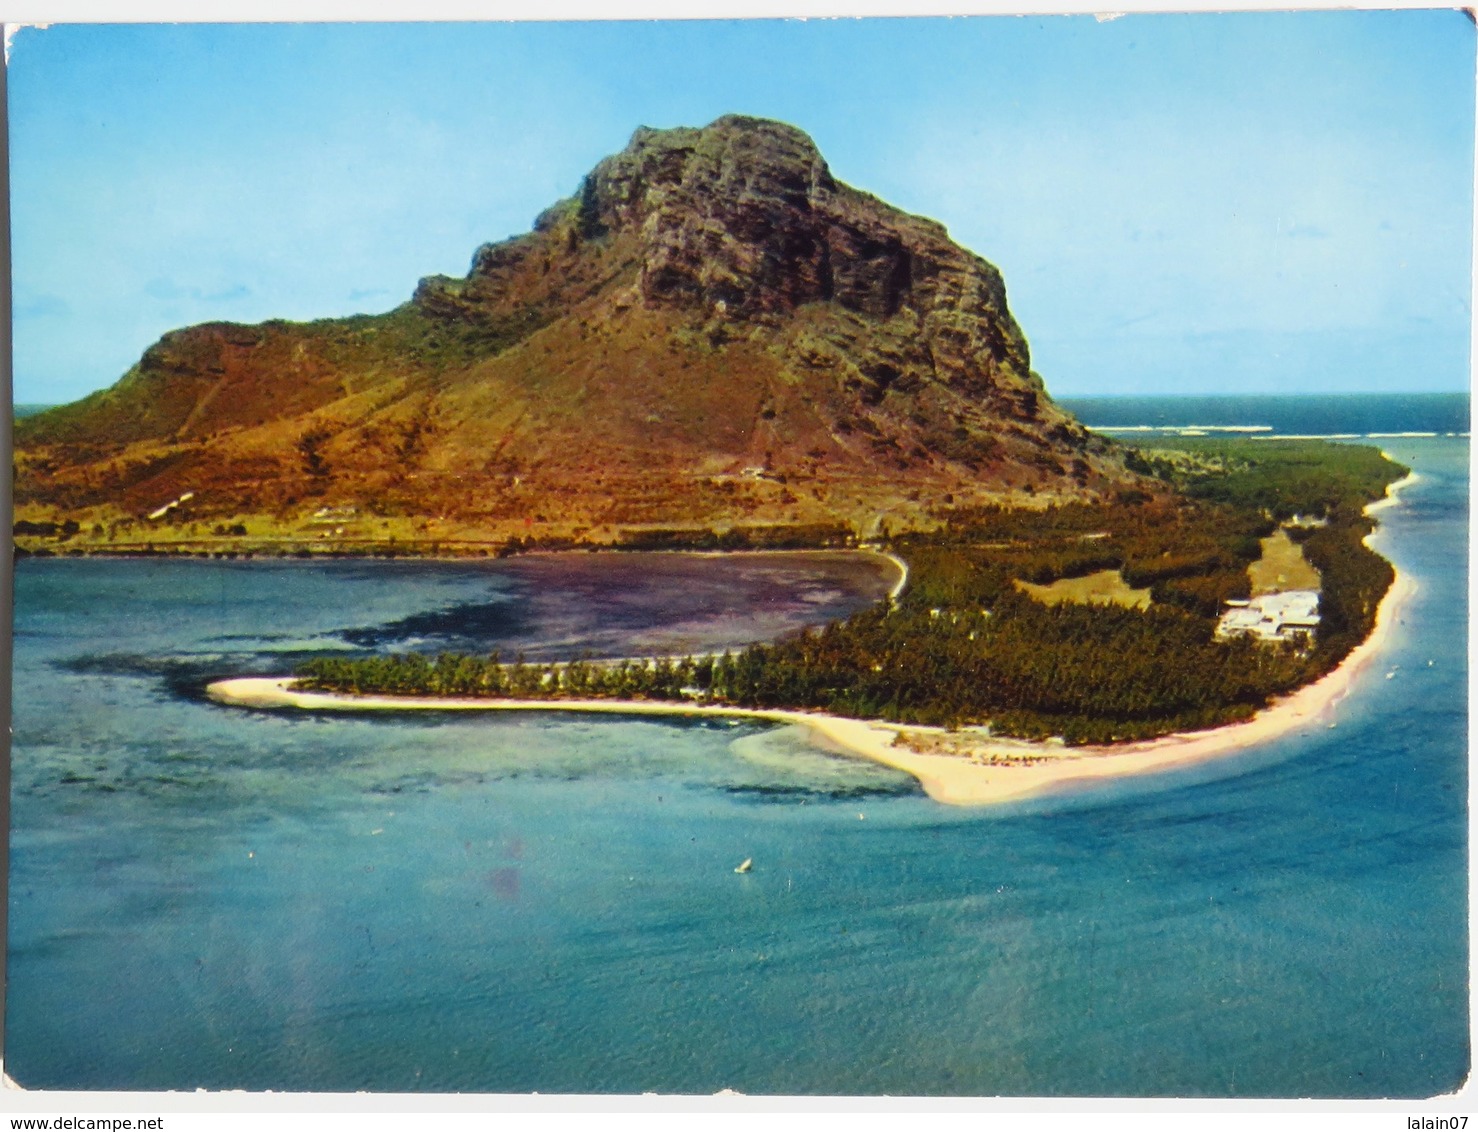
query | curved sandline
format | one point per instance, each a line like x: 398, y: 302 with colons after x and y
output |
x: 987, y: 771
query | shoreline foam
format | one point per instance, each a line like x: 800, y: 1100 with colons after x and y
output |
x: 986, y: 771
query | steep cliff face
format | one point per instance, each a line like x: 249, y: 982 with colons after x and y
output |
x: 712, y: 330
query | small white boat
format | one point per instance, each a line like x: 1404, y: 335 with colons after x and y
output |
x: 745, y: 865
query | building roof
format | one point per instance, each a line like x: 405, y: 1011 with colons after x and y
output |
x: 1271, y: 617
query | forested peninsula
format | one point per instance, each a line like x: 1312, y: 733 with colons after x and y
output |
x: 967, y: 643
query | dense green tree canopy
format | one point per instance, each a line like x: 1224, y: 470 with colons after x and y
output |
x: 964, y: 646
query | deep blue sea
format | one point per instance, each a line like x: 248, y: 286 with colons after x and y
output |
x: 1346, y: 416
x: 207, y: 897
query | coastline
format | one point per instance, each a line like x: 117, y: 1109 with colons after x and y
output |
x: 902, y: 584
x: 982, y: 770
x: 408, y: 552
x: 986, y: 771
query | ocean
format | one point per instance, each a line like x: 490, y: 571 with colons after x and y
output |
x: 1345, y: 416
x: 202, y: 897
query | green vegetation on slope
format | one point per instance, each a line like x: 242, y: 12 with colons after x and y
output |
x: 1282, y: 477
x: 964, y: 646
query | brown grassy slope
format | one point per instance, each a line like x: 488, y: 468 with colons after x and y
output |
x: 713, y: 330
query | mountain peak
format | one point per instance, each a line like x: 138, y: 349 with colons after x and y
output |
x: 709, y: 322
x: 730, y: 131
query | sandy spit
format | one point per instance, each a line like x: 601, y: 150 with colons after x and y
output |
x: 978, y: 770
x: 981, y: 771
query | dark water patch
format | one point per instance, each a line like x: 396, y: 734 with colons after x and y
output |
x: 421, y: 571
x: 404, y: 719
x: 187, y: 677
x: 143, y: 785
x: 175, y: 781
x: 125, y: 664
x: 778, y: 793
x: 227, y: 638
x: 432, y: 718
x: 467, y: 626
x: 175, y: 669
x: 407, y: 784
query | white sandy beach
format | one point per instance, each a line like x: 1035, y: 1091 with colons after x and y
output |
x: 978, y: 770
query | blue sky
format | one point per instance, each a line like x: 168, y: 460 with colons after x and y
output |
x: 1253, y: 203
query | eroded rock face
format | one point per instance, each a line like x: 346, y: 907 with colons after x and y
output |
x: 741, y: 224
x: 744, y: 220
x: 709, y: 302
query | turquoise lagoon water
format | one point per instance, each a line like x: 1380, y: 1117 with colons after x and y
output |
x: 205, y: 897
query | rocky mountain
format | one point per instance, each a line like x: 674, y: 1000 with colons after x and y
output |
x: 712, y: 332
